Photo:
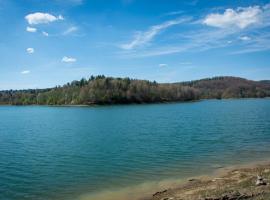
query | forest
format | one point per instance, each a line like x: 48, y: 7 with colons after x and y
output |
x: 108, y: 90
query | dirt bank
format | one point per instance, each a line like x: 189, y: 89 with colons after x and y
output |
x: 249, y: 182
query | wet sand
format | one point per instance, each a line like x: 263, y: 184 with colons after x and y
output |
x: 234, y: 182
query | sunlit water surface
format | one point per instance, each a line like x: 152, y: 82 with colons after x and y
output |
x: 113, y: 152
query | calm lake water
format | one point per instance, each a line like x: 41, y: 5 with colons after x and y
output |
x: 49, y: 153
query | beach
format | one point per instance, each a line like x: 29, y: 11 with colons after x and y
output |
x: 225, y: 183
x: 238, y: 182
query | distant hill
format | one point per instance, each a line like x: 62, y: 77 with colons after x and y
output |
x: 230, y: 87
x: 108, y: 90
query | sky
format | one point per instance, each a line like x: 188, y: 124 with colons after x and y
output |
x: 44, y: 43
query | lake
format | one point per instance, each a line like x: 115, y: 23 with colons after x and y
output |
x: 57, y: 153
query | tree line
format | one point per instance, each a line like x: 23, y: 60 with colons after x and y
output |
x: 109, y: 90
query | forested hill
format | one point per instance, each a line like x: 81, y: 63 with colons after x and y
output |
x: 108, y: 90
x: 230, y: 87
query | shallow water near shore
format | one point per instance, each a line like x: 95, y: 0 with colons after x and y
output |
x: 146, y: 190
x: 120, y: 152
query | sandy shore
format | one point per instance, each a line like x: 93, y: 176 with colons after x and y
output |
x: 233, y: 183
x: 228, y: 183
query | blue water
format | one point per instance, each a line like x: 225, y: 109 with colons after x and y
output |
x: 62, y: 152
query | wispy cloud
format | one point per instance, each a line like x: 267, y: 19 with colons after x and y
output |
x: 163, y: 65
x: 244, y: 38
x: 142, y: 38
x: 42, y: 18
x: 45, y: 33
x: 68, y: 59
x: 70, y: 30
x: 25, y: 72
x: 200, y: 40
x: 259, y: 42
x: 178, y: 12
x: 208, y: 32
x: 31, y: 29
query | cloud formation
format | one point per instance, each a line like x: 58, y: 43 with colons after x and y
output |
x: 241, y: 17
x: 145, y: 37
x: 31, y: 29
x: 244, y: 38
x: 45, y: 33
x: 68, y: 59
x: 163, y: 65
x: 25, y: 72
x: 42, y: 18
x: 70, y: 30
x: 174, y: 13
x: 30, y: 50
x: 247, y: 24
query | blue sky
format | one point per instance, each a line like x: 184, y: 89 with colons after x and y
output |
x: 47, y: 43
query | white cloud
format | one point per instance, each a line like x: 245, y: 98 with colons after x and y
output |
x: 45, y: 33
x: 145, y: 37
x: 60, y: 17
x: 25, y: 72
x: 31, y: 29
x: 42, y: 18
x: 30, y: 50
x: 68, y: 59
x: 163, y: 65
x: 241, y: 17
x: 254, y: 32
x: 70, y: 30
x: 244, y: 38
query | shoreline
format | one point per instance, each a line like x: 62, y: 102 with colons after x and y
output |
x: 234, y: 182
x: 127, y: 104
x: 228, y: 183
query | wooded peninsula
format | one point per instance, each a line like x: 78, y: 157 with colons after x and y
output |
x: 107, y: 90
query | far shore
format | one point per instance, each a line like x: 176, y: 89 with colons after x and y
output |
x: 126, y: 104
